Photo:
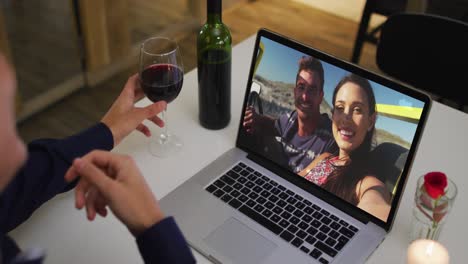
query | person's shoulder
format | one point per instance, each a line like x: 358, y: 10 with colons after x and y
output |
x: 287, y: 119
x: 369, y: 182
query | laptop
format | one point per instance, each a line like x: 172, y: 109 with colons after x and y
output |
x: 252, y: 205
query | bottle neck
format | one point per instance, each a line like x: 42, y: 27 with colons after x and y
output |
x: 214, y: 8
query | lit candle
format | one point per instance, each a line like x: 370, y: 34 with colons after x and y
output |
x: 425, y: 251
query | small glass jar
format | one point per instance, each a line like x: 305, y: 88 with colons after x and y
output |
x: 429, y: 214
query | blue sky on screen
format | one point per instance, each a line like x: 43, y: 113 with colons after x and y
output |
x: 279, y: 63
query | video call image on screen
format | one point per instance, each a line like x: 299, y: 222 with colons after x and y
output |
x: 361, y: 139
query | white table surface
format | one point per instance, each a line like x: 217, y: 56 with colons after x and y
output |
x: 68, y: 237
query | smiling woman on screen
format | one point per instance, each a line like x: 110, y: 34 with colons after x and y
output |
x: 346, y: 173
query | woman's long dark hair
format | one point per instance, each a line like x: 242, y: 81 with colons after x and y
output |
x: 343, y: 180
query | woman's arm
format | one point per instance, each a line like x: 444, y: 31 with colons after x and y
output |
x: 373, y: 197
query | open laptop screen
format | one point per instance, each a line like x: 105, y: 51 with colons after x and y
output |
x: 322, y: 119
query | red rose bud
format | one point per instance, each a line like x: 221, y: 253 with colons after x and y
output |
x: 435, y: 183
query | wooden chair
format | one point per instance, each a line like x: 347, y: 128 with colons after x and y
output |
x: 429, y: 52
x: 381, y: 7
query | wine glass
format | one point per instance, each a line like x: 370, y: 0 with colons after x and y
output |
x: 161, y: 77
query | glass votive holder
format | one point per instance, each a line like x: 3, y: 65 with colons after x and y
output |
x: 429, y: 213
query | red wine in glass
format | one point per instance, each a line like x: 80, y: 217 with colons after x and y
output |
x: 162, y: 82
x: 161, y: 76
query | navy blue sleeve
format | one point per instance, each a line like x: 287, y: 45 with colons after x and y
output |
x: 42, y: 176
x: 164, y: 243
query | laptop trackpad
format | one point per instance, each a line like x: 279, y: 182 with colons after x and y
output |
x: 239, y: 243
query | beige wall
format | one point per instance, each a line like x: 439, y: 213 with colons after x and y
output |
x: 350, y: 9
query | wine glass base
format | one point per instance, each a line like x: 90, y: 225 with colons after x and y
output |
x: 165, y: 146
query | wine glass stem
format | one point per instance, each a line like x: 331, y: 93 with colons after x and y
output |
x: 164, y: 137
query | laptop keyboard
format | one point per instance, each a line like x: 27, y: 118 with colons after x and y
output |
x: 305, y: 225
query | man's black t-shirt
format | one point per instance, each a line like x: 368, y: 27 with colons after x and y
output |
x: 300, y: 151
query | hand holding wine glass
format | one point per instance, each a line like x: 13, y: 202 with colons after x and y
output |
x: 123, y: 116
x: 161, y: 78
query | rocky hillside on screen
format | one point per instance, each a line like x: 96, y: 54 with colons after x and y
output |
x: 278, y: 97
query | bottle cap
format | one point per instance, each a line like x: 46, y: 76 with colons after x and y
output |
x: 214, y: 6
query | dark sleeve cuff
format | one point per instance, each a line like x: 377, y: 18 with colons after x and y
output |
x: 98, y: 136
x: 164, y: 243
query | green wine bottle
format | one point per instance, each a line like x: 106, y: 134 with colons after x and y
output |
x: 214, y: 69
